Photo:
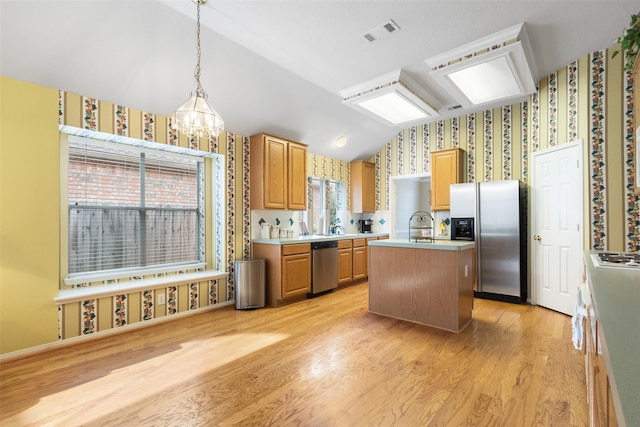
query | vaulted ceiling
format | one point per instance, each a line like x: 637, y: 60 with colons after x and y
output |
x: 277, y: 66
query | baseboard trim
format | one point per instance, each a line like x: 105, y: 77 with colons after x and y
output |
x: 19, y: 354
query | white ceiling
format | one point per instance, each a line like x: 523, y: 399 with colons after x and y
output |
x: 276, y: 66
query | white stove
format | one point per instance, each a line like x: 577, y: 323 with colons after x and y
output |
x: 619, y: 260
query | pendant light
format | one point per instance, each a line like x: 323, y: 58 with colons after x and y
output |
x: 196, y: 117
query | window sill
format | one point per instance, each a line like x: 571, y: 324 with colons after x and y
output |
x: 80, y: 294
x: 83, y: 279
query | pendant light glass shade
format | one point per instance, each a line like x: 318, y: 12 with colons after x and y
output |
x: 196, y: 117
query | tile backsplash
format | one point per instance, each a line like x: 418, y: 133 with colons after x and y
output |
x: 291, y: 220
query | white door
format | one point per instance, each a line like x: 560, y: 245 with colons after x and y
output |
x: 556, y: 205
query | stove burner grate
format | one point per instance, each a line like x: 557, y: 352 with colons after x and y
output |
x: 619, y: 258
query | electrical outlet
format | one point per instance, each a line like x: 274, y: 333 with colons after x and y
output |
x: 466, y: 271
x: 161, y: 299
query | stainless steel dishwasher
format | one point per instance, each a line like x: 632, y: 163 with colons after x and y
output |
x: 324, y: 266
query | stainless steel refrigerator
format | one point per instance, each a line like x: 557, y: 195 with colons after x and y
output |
x: 499, y: 212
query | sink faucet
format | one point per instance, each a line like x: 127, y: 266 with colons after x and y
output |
x: 338, y: 229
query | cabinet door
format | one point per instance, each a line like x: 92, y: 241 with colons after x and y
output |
x: 296, y: 275
x: 344, y: 266
x: 359, y: 263
x: 297, y: 186
x: 605, y: 412
x: 446, y: 169
x: 368, y: 187
x: 275, y: 173
x: 362, y: 186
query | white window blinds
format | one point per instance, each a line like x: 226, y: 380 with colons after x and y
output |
x: 132, y: 208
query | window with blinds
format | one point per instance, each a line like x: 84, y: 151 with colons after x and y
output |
x: 132, y: 208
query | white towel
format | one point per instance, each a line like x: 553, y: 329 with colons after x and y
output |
x: 578, y: 331
x: 579, y: 313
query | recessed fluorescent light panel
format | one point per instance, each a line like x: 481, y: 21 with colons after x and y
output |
x: 393, y: 99
x: 487, y: 81
x: 496, y: 70
x: 394, y: 108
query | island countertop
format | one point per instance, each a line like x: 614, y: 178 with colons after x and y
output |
x: 439, y: 245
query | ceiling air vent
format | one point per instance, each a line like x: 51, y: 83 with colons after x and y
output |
x: 381, y: 31
x: 455, y: 107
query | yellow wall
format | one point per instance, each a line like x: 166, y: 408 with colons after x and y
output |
x: 29, y: 214
x: 30, y: 251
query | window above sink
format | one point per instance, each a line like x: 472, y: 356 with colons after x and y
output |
x: 328, y: 205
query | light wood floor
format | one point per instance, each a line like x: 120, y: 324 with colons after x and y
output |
x: 319, y: 362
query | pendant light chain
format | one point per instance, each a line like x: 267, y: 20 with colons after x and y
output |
x: 196, y: 117
x: 196, y: 73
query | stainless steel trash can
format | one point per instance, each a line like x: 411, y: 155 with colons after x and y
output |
x: 250, y: 283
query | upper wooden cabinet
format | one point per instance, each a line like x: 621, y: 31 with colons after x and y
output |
x: 362, y: 188
x: 446, y: 168
x: 278, y: 173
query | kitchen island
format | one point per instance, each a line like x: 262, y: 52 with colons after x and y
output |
x: 426, y: 283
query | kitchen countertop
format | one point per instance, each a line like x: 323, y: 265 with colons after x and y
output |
x: 440, y: 245
x: 616, y: 299
x: 317, y: 238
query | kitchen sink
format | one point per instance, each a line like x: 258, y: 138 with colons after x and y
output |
x: 328, y: 236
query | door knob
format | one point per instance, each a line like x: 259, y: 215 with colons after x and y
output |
x: 538, y: 238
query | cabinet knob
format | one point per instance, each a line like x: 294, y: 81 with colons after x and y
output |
x: 538, y: 238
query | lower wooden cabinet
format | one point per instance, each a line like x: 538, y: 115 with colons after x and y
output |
x: 288, y: 271
x: 359, y: 259
x: 345, y: 262
x: 599, y: 399
x: 296, y: 275
x: 352, y: 261
x: 289, y: 267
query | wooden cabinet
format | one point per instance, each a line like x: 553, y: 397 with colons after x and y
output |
x: 345, y: 262
x: 296, y: 275
x: 359, y: 259
x: 447, y: 167
x: 362, y: 186
x: 352, y: 260
x: 599, y: 399
x: 288, y: 271
x: 278, y: 173
x: 297, y: 182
